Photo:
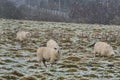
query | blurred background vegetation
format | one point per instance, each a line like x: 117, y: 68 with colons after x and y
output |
x: 79, y: 11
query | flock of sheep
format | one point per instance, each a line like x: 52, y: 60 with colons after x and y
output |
x: 51, y: 52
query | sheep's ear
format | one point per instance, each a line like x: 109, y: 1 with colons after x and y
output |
x: 116, y: 52
x: 55, y: 48
x: 29, y: 34
x: 58, y: 52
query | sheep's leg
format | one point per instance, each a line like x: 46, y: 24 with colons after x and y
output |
x: 44, y: 63
x: 94, y: 55
x: 39, y: 61
x: 103, y: 56
x: 52, y: 61
x: 102, y: 59
x: 22, y: 42
x: 52, y: 64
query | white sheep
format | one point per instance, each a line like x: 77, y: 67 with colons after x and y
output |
x: 23, y: 35
x: 47, y: 54
x: 53, y: 44
x: 103, y: 49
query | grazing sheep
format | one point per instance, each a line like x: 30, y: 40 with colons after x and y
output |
x: 47, y: 54
x: 28, y: 77
x: 53, y: 44
x: 22, y: 35
x: 103, y: 49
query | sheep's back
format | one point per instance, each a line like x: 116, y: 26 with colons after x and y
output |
x: 52, y: 44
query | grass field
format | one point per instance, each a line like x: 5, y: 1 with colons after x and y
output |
x: 18, y: 59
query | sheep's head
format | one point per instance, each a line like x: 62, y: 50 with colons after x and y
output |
x: 57, y: 49
x: 28, y: 34
x: 112, y: 53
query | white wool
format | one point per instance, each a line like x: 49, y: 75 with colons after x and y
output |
x: 103, y: 49
x: 22, y: 35
x: 47, y: 54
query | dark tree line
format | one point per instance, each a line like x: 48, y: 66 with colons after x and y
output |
x: 9, y: 10
x: 83, y: 11
x: 97, y: 11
